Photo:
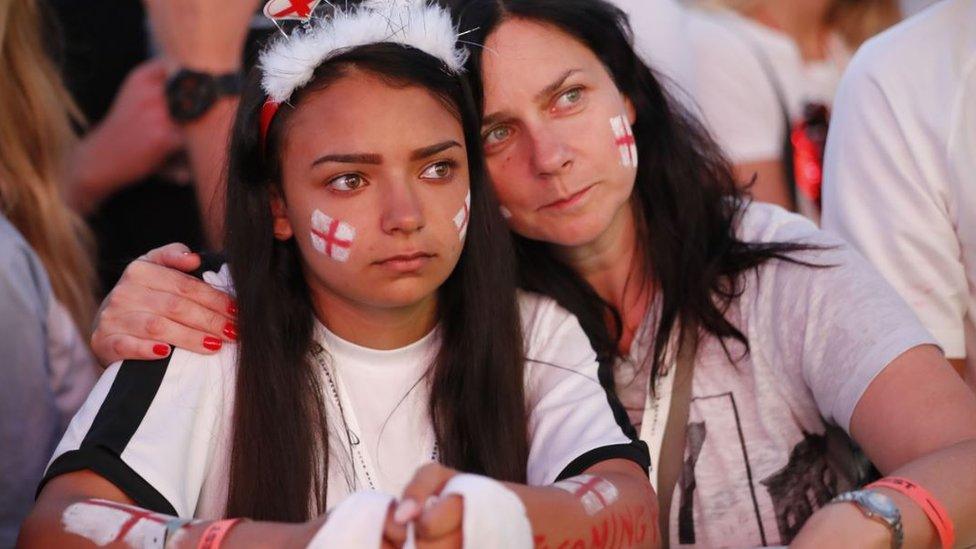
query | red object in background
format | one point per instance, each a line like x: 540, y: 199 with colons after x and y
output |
x: 809, y: 136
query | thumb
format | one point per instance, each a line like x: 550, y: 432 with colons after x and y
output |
x: 175, y: 256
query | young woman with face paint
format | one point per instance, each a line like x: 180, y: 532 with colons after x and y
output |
x: 794, y: 332
x: 383, y: 348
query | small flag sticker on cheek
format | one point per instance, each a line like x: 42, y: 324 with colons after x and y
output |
x: 623, y: 137
x: 463, y: 216
x: 332, y: 237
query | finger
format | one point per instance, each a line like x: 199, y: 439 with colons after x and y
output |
x: 443, y: 518
x: 124, y: 347
x: 182, y: 311
x: 141, y: 275
x: 176, y: 256
x: 394, y: 534
x: 153, y: 328
x: 428, y: 481
x: 450, y: 541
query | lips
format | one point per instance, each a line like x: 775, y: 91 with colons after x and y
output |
x: 406, y: 262
x: 568, y: 202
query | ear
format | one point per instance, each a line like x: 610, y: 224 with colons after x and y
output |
x: 630, y: 110
x: 279, y: 213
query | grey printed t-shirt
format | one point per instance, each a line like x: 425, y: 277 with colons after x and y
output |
x: 758, y: 460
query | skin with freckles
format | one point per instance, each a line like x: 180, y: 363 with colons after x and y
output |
x: 552, y: 154
x: 399, y: 181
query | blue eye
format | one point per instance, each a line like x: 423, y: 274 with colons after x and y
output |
x: 348, y: 182
x: 570, y: 98
x: 440, y: 170
x: 497, y: 135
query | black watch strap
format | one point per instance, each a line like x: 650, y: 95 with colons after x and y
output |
x: 190, y: 94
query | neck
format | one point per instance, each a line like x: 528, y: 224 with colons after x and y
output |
x: 612, y: 265
x: 374, y: 327
x: 805, y: 21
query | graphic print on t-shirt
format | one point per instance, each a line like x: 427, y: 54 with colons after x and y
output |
x: 717, y: 450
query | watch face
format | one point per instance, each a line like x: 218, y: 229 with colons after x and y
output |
x: 190, y: 94
x: 879, y: 503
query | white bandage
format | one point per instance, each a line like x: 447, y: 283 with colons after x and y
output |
x: 357, y: 522
x: 493, y: 515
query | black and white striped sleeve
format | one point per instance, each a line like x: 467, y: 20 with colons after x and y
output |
x: 573, y: 422
x: 150, y: 428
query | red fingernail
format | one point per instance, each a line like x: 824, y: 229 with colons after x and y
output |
x: 230, y: 331
x: 161, y: 350
x: 212, y: 343
x: 232, y: 308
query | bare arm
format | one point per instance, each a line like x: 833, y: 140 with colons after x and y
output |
x: 916, y: 420
x: 624, y: 515
x: 207, y: 36
x: 47, y: 526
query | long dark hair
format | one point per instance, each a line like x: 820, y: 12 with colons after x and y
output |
x: 685, y: 198
x: 477, y: 397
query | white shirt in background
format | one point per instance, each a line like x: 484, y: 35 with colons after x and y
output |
x: 734, y: 84
x: 900, y: 174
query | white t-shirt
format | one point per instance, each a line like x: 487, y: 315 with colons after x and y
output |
x: 901, y: 167
x: 736, y: 83
x: 161, y: 431
x: 758, y: 460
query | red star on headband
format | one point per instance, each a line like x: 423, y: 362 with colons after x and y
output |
x: 290, y: 9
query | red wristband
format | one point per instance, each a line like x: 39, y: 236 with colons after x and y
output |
x: 933, y: 509
x: 214, y: 535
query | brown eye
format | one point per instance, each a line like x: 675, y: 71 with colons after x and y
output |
x: 440, y: 170
x: 347, y: 183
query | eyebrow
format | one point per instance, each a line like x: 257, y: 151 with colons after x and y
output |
x: 556, y: 84
x: 539, y: 97
x: 369, y: 158
x: 427, y: 152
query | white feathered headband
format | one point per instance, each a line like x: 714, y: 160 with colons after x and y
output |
x: 290, y: 62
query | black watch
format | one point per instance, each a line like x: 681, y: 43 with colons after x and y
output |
x: 190, y: 94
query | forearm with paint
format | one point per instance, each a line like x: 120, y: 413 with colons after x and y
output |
x: 110, y: 524
x: 596, y: 509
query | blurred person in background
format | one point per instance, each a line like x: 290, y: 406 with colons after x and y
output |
x: 46, y: 276
x: 148, y: 170
x: 900, y: 165
x: 767, y: 96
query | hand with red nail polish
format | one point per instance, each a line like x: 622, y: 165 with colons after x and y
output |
x: 156, y: 306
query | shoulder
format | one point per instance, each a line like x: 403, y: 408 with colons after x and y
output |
x: 551, y: 333
x: 760, y: 222
x: 894, y: 58
x: 21, y: 270
x: 541, y: 315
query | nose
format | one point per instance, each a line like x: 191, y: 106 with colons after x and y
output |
x: 550, y: 155
x: 403, y: 210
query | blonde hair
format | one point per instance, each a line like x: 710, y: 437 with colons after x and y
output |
x: 36, y: 136
x: 854, y: 20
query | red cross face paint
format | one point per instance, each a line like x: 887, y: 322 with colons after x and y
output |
x: 593, y: 492
x: 290, y: 9
x: 463, y: 216
x: 332, y: 237
x: 623, y: 137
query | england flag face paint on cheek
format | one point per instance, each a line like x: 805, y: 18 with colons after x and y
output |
x: 623, y: 137
x: 332, y: 237
x: 463, y: 216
